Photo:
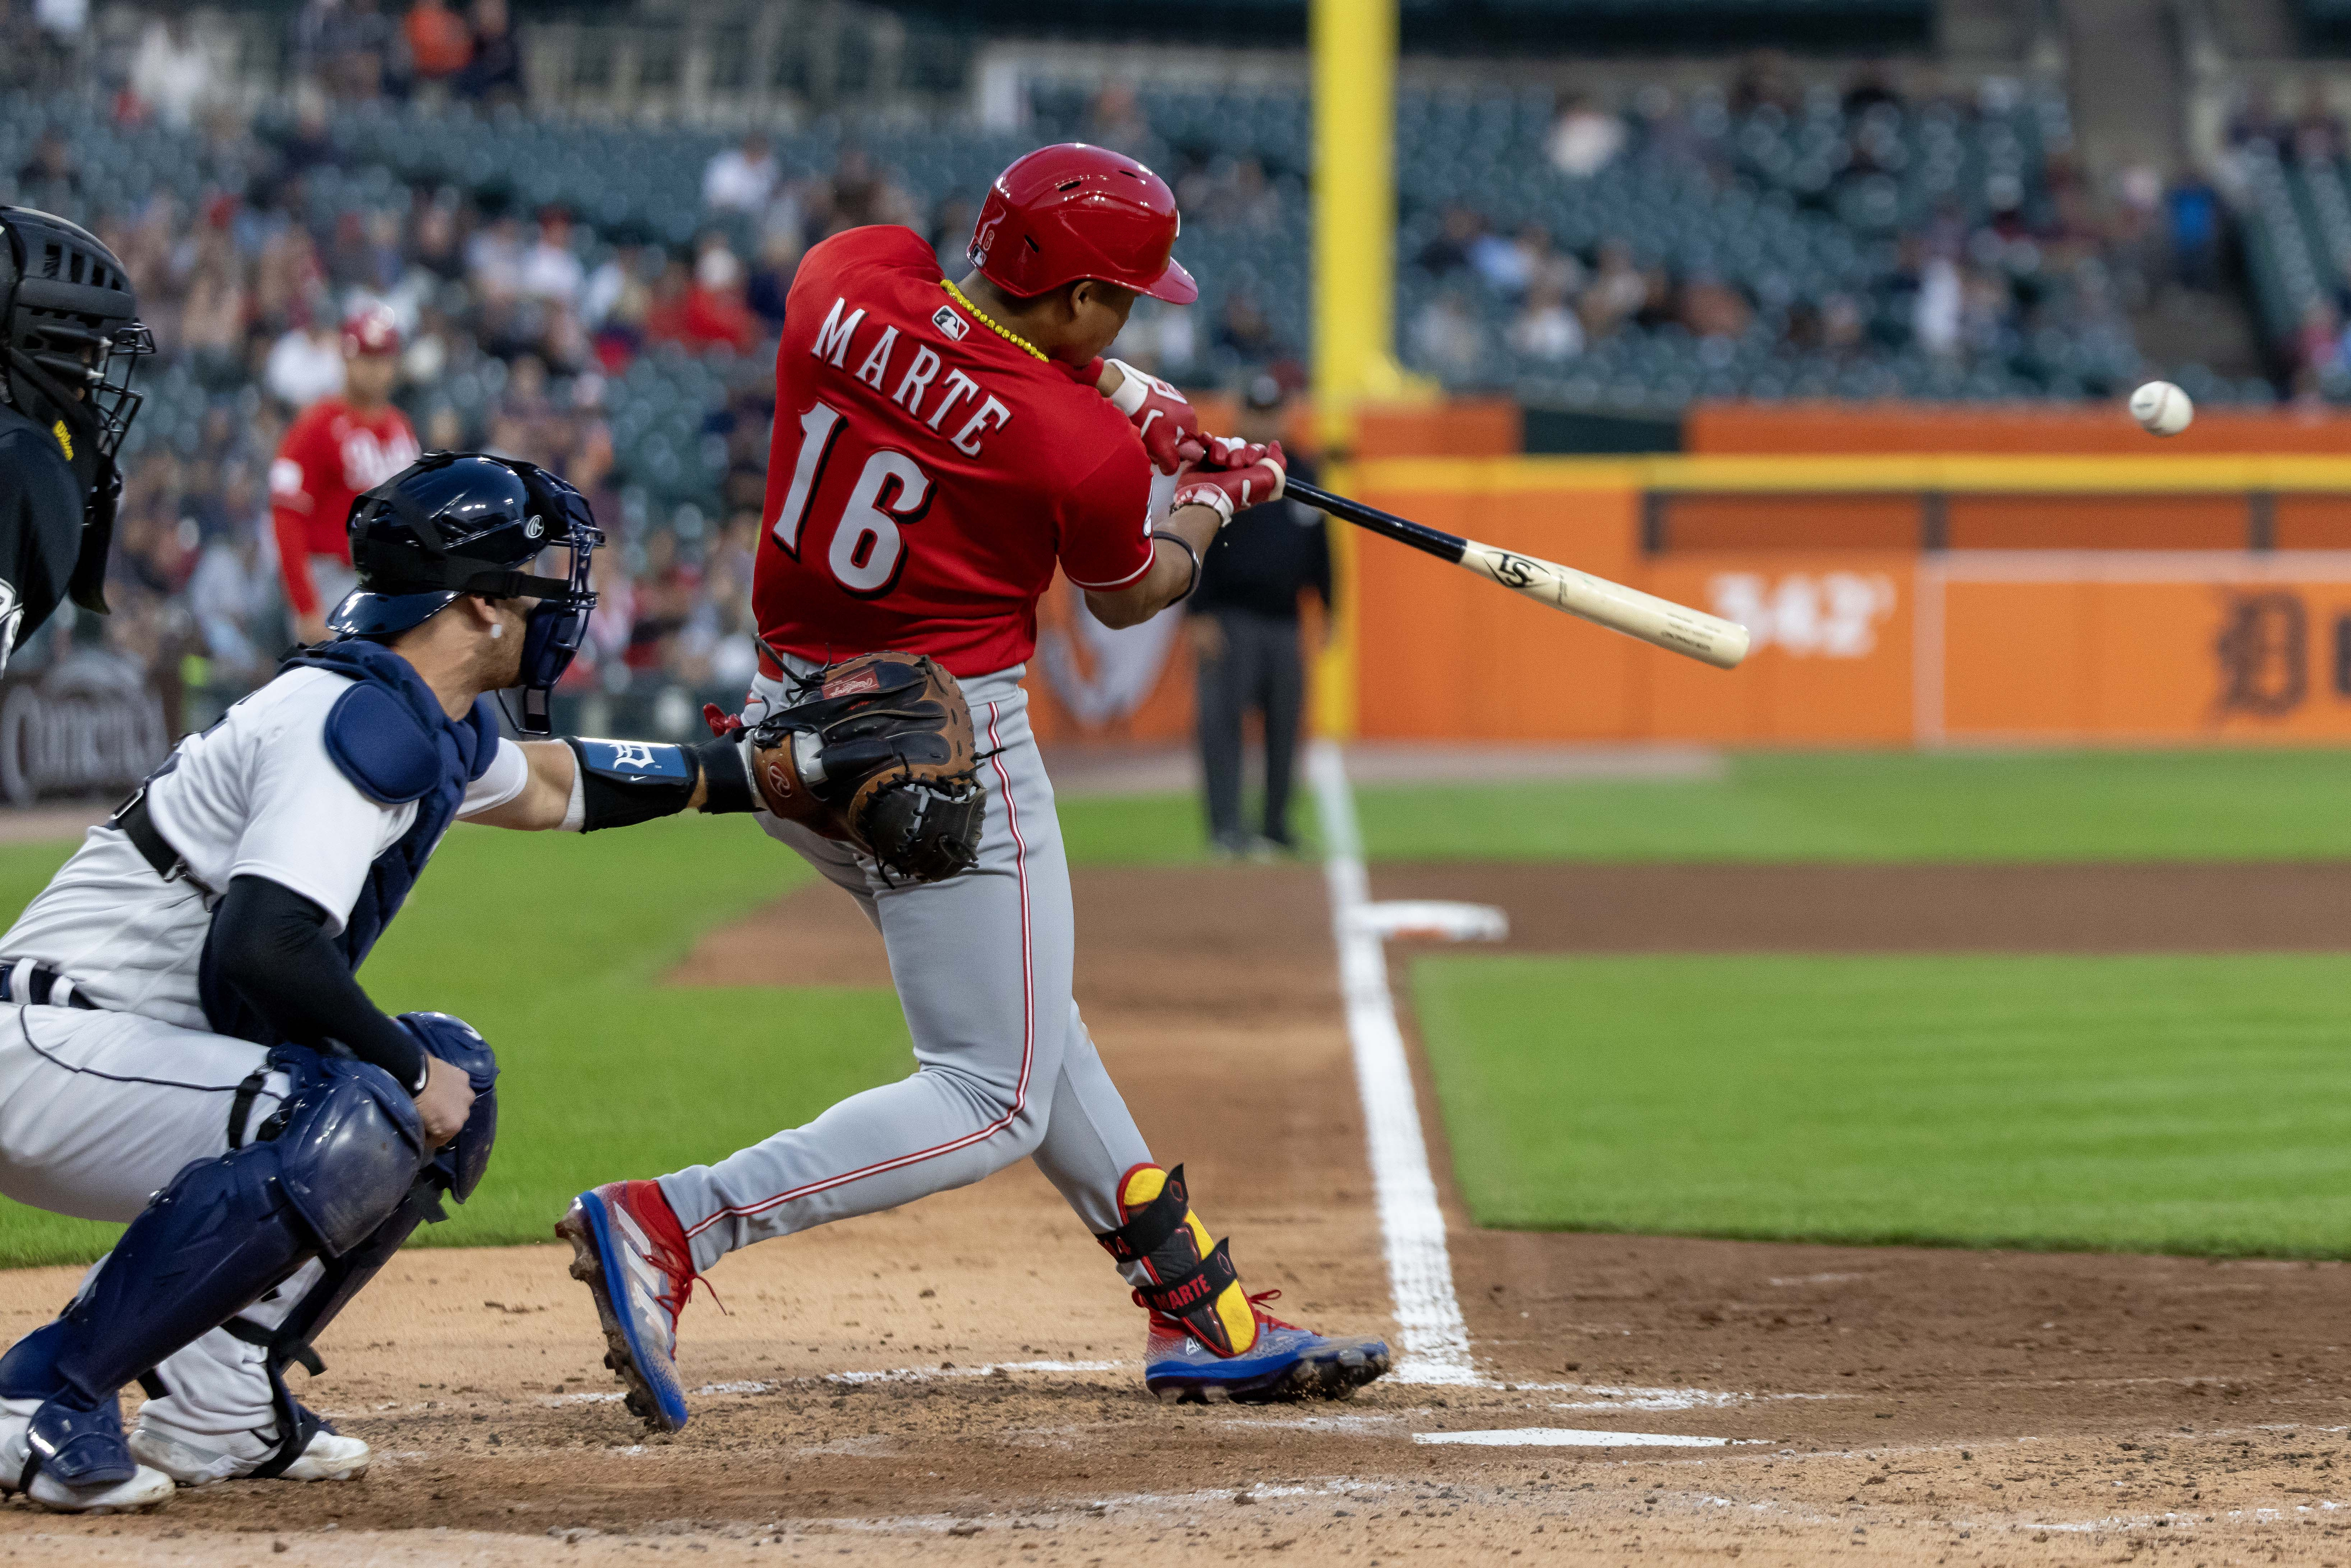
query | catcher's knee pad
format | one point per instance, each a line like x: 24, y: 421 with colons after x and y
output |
x: 349, y: 1142
x: 1192, y: 1279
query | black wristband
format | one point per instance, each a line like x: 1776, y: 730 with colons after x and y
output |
x: 725, y: 774
x: 1185, y: 545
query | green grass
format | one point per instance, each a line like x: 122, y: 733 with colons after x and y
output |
x: 2196, y: 1105
x: 1894, y: 806
x: 1134, y: 830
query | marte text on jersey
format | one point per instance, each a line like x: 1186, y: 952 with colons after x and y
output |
x: 836, y: 344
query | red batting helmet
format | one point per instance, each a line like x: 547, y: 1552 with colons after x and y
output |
x: 1070, y: 211
x: 371, y: 329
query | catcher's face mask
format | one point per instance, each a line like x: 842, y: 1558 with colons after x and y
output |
x: 558, y: 621
x: 460, y: 523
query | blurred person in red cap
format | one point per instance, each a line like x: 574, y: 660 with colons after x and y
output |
x: 337, y: 448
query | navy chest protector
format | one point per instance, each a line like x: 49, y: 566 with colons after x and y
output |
x: 391, y: 738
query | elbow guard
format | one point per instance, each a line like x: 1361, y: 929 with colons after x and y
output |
x: 623, y: 782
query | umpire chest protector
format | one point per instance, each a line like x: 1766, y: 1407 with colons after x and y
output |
x: 392, y: 740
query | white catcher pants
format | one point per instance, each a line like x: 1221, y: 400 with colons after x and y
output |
x: 98, y: 1110
x: 1004, y: 1067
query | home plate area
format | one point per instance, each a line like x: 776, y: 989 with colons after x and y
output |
x: 960, y: 1381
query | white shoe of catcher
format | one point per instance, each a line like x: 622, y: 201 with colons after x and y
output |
x: 199, y: 1462
x: 145, y: 1489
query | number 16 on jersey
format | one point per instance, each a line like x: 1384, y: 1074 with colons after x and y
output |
x: 868, y: 551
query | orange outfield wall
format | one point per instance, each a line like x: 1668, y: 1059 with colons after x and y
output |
x: 1853, y: 646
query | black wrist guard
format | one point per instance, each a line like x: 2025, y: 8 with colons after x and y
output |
x: 728, y: 775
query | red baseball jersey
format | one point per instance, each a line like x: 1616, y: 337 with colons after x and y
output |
x: 927, y: 474
x: 332, y: 453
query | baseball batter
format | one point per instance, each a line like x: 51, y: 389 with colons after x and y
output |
x: 941, y: 447
x: 185, y: 1046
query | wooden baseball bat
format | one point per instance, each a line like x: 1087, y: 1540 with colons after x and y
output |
x: 1676, y: 628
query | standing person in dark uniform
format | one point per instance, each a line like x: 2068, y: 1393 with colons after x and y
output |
x: 1244, y: 624
x: 69, y: 333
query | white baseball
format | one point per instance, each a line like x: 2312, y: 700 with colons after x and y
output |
x: 2161, y: 408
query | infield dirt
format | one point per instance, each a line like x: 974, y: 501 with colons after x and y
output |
x: 959, y: 1381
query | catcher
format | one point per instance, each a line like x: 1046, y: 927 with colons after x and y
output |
x: 941, y: 449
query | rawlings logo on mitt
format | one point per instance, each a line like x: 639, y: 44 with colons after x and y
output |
x: 880, y: 753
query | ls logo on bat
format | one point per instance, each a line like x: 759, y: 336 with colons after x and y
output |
x: 1834, y: 615
x: 1514, y: 570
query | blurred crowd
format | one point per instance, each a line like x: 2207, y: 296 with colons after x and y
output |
x: 351, y: 50
x: 516, y: 328
x: 2005, y: 251
x: 641, y: 369
x: 519, y: 332
x: 2312, y: 140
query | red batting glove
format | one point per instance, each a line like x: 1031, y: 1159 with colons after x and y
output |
x: 1231, y: 451
x: 1230, y: 490
x: 1169, y: 426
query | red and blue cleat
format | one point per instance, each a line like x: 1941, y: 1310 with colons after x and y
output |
x: 1286, y: 1362
x: 630, y: 1251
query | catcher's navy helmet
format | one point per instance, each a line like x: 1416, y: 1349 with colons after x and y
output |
x: 455, y: 523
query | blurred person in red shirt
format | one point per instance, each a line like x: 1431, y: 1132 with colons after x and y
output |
x: 336, y: 449
x: 438, y: 40
x: 715, y: 312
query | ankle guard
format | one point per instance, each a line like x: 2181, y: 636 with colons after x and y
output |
x: 1192, y: 1281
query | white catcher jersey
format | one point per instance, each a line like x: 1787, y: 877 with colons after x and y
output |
x: 255, y: 795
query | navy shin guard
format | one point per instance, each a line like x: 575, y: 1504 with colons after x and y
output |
x: 223, y: 1232
x: 453, y: 1172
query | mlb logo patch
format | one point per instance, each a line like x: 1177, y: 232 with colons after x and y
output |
x: 865, y: 680
x: 952, y: 325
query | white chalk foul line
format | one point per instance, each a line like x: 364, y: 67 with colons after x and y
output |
x: 1569, y: 1437
x: 1436, y: 1342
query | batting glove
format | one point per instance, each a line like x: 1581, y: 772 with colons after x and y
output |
x: 1230, y: 452
x: 1234, y: 489
x: 1169, y: 426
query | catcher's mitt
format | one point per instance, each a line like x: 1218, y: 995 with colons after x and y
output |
x: 879, y: 753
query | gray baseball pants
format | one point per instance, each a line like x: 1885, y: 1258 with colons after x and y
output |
x: 1003, y: 1066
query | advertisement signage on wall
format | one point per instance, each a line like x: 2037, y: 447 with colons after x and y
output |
x: 90, y: 724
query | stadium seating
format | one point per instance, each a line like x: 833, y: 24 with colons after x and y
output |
x: 2296, y: 221
x: 1790, y: 207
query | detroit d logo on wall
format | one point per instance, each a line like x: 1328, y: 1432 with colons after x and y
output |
x: 2261, y: 655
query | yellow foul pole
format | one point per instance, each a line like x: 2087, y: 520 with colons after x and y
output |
x: 1354, y: 45
x: 1354, y: 49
